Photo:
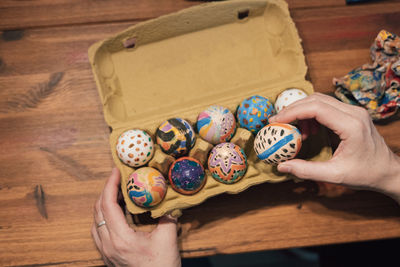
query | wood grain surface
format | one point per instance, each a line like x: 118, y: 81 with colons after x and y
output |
x: 56, y: 156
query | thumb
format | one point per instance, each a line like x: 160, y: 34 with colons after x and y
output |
x: 166, y: 228
x: 317, y: 171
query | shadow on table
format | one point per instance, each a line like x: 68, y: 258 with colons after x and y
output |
x: 357, y: 206
x: 372, y: 253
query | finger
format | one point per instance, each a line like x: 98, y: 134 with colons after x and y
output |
x: 317, y: 171
x: 98, y: 215
x: 338, y: 121
x: 96, y: 238
x: 112, y: 212
x: 347, y: 108
x: 102, y: 231
x: 99, y: 245
x: 166, y: 228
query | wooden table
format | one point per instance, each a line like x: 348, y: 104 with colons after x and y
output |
x: 54, y: 141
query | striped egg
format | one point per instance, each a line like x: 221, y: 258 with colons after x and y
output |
x: 216, y: 124
x: 277, y: 142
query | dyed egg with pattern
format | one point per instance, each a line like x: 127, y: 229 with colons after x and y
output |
x: 277, y: 142
x: 186, y: 176
x: 288, y: 97
x: 135, y: 148
x: 227, y: 163
x: 216, y: 124
x: 146, y: 187
x: 253, y: 113
x: 175, y: 137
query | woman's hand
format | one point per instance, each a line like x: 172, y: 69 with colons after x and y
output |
x: 121, y: 245
x: 362, y: 159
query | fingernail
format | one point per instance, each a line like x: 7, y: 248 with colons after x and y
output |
x: 272, y: 119
x: 284, y: 168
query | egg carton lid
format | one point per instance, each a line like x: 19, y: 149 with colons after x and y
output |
x: 193, y: 58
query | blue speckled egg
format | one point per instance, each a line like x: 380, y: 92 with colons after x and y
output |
x: 253, y: 113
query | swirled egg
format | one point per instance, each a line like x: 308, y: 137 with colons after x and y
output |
x: 186, y: 176
x: 146, y: 187
x: 176, y: 137
x: 216, y: 124
x: 135, y: 147
x: 253, y: 113
x: 288, y: 97
x: 227, y: 163
x: 277, y: 142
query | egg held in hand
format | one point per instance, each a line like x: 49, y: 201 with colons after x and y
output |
x: 277, y: 142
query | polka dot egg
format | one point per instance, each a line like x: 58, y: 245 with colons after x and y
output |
x: 253, y: 113
x: 135, y: 148
x: 146, y: 187
x: 176, y: 137
x: 288, y: 97
x: 216, y: 124
x: 277, y: 142
x: 186, y: 176
x: 227, y: 163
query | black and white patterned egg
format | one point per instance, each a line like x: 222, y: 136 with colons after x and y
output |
x: 277, y: 142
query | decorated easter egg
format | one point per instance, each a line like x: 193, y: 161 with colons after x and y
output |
x: 227, y: 163
x: 135, y: 147
x: 175, y: 137
x: 288, y: 97
x: 277, y: 142
x: 216, y: 124
x: 146, y: 187
x: 253, y: 113
x: 186, y: 176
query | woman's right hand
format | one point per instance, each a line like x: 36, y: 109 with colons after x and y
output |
x: 362, y: 159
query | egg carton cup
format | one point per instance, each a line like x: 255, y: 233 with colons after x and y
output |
x: 316, y: 148
x: 180, y: 64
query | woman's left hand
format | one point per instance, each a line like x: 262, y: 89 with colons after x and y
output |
x: 121, y: 245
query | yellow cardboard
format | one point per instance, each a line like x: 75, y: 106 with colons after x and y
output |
x: 179, y: 64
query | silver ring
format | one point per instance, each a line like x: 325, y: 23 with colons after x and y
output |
x: 101, y: 223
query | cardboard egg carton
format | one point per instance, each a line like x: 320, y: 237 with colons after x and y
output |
x: 180, y: 64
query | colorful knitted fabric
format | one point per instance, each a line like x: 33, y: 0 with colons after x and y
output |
x: 375, y: 86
